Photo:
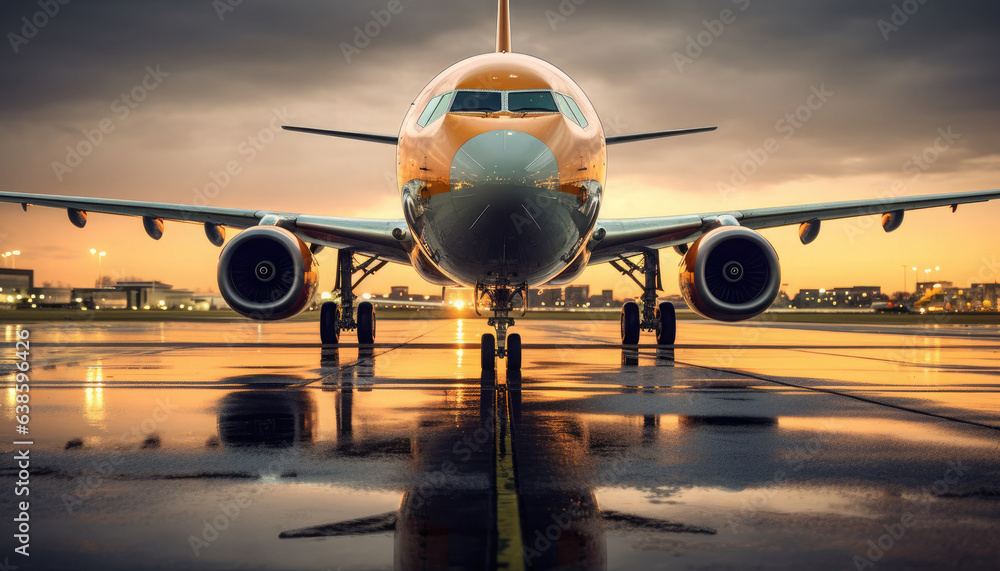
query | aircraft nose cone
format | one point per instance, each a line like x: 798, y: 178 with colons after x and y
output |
x: 504, y: 158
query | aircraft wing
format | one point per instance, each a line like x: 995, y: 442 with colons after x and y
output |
x: 626, y: 236
x: 364, y: 235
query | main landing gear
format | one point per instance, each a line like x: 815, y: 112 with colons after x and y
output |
x: 501, y: 298
x: 660, y: 319
x: 335, y: 318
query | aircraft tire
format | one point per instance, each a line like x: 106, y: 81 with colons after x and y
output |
x: 513, y: 353
x: 630, y: 323
x: 666, y: 328
x: 366, y: 323
x: 488, y: 352
x: 329, y: 323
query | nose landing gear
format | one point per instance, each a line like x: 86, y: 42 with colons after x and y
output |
x: 501, y: 298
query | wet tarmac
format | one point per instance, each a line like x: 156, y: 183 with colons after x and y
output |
x: 749, y: 446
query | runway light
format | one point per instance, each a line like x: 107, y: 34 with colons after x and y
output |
x: 366, y: 296
x: 145, y: 307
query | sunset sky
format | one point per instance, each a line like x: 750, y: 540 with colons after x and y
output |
x: 895, y: 75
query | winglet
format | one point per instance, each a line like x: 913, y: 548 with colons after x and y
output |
x: 503, y: 27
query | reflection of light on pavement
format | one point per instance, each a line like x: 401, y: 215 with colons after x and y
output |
x: 460, y: 332
x: 94, y: 395
x: 11, y: 402
x: 459, y: 358
x: 8, y: 333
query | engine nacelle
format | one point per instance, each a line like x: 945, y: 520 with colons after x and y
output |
x: 730, y: 274
x: 267, y: 273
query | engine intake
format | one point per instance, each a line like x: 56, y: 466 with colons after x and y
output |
x: 267, y: 273
x: 730, y: 274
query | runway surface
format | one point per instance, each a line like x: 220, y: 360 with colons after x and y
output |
x: 749, y: 446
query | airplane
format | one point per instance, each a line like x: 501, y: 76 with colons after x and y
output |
x: 501, y: 169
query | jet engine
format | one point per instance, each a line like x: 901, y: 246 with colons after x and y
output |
x: 267, y: 273
x: 730, y: 274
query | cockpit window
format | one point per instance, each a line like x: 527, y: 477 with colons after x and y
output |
x: 477, y: 101
x: 531, y: 102
x: 470, y: 101
x: 570, y: 109
x: 435, y: 109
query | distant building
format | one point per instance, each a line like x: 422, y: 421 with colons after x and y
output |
x: 605, y: 299
x: 547, y: 298
x: 155, y: 294
x: 576, y: 295
x: 15, y: 283
x: 986, y: 296
x: 837, y: 298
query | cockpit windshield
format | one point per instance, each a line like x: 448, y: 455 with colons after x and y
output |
x: 531, y: 102
x: 524, y: 102
x: 477, y: 102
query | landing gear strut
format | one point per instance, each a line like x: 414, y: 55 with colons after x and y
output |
x: 336, y: 317
x: 501, y: 297
x: 660, y: 319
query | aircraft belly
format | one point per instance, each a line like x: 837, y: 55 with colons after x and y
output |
x: 523, y: 234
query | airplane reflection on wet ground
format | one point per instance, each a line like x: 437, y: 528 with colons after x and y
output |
x: 197, y: 446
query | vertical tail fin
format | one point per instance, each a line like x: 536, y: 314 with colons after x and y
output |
x: 503, y: 27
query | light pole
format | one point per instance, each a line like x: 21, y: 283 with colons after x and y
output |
x: 100, y: 255
x: 13, y: 261
x: 929, y: 270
